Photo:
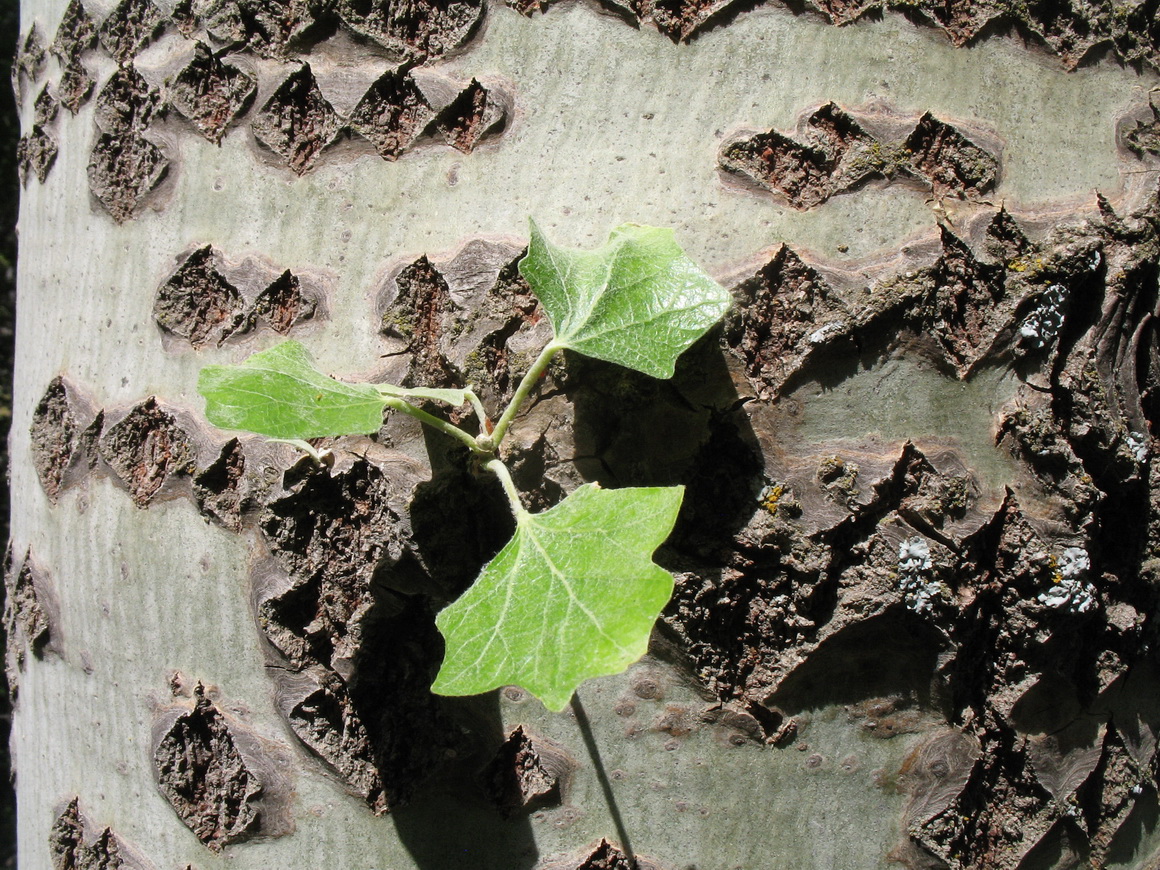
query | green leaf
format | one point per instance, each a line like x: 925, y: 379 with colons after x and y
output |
x: 637, y: 300
x: 573, y: 595
x: 280, y: 393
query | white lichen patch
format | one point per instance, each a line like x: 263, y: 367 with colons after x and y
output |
x: 1139, y: 446
x: 919, y: 591
x: 1042, y: 325
x: 830, y: 330
x: 1068, y: 588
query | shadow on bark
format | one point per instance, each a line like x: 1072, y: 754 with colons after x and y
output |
x: 459, y: 522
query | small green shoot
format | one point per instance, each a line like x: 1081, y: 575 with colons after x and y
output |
x: 575, y: 593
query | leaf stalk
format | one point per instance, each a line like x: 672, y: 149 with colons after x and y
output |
x: 526, y: 385
x: 434, y: 422
x: 500, y: 470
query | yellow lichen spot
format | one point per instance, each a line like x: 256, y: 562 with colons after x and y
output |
x: 772, y: 497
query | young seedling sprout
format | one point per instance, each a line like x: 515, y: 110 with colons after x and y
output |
x: 575, y: 593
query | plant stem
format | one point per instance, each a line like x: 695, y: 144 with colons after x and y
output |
x: 434, y: 422
x: 523, y: 390
x: 477, y: 406
x: 509, y: 488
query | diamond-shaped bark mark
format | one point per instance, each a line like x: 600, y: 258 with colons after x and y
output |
x: 29, y: 60
x: 836, y: 154
x: 283, y: 305
x: 57, y: 436
x: 1072, y: 30
x: 607, y: 857
x: 45, y: 108
x: 527, y: 7
x: 1144, y: 137
x: 417, y: 316
x: 416, y: 29
x: 146, y: 450
x: 203, y: 775
x: 264, y: 26
x: 469, y: 117
x: 76, y: 86
x: 964, y: 315
x: 680, y: 19
x: 126, y: 103
x: 123, y: 168
x: 210, y: 93
x: 130, y: 27
x: 378, y: 726
x: 297, y: 122
x: 35, y: 154
x: 220, y: 489
x: 392, y: 114
x: 526, y: 772
x: 782, y: 313
x: 71, y: 846
x: 949, y: 161
x: 327, y: 723
x: 30, y: 613
x: 76, y: 32
x: 198, y: 304
x: 961, y: 20
x: 1006, y: 241
x: 845, y: 11
x: 335, y: 526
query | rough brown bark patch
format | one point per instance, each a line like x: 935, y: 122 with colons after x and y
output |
x: 198, y: 304
x: 283, y: 304
x: 602, y: 856
x: 417, y: 315
x: 71, y: 848
x: 469, y: 117
x: 415, y: 31
x: 470, y: 319
x: 392, y: 114
x: 29, y: 63
x: 221, y: 490
x: 126, y: 103
x: 781, y: 314
x: 202, y: 774
x: 122, y: 170
x: 131, y: 26
x: 266, y: 27
x: 835, y: 153
x: 76, y: 32
x: 211, y: 93
x: 35, y: 154
x: 297, y: 122
x: 147, y: 449
x: 201, y: 304
x: 527, y: 772
x: 949, y: 160
x: 31, y: 617
x: 359, y: 659
x: 56, y: 425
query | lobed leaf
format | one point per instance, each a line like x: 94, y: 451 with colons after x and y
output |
x: 280, y: 393
x: 637, y: 300
x: 573, y: 595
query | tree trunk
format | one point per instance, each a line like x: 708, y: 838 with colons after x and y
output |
x: 917, y: 560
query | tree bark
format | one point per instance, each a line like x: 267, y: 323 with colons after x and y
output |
x: 916, y: 564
